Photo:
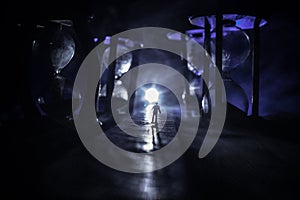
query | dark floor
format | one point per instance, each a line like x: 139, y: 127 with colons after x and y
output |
x: 253, y: 159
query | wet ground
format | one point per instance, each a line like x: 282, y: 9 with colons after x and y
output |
x: 253, y: 159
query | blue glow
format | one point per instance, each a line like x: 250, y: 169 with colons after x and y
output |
x: 240, y: 21
x: 95, y: 39
x: 107, y: 40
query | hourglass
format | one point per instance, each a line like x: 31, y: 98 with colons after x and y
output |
x: 55, y: 48
x: 225, y: 38
x: 194, y: 54
x: 110, y: 84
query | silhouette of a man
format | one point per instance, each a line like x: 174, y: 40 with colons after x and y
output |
x: 156, y: 109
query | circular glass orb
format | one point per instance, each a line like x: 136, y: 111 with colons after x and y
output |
x: 55, y: 101
x: 123, y: 63
x: 195, y: 55
x: 236, y: 48
x: 62, y: 49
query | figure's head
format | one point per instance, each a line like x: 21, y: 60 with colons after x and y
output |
x: 156, y: 103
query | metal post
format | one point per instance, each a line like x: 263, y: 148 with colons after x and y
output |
x: 111, y: 72
x: 255, y: 69
x: 219, y: 47
x: 207, y: 47
x: 207, y: 36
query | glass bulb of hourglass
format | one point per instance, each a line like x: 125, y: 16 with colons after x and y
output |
x: 62, y: 50
x: 236, y: 95
x: 236, y: 48
x: 123, y: 63
x: 196, y: 57
x: 53, y: 93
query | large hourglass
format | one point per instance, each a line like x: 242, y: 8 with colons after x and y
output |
x: 228, y: 33
x: 112, y: 80
x: 56, y: 46
x: 194, y: 72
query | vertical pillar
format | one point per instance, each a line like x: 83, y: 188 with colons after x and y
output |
x: 111, y: 70
x: 207, y: 36
x: 255, y: 69
x: 206, y: 73
x: 219, y: 48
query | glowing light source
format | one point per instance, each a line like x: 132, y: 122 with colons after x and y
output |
x: 95, y: 39
x: 151, y: 95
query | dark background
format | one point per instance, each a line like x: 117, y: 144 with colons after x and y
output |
x: 254, y: 158
x: 279, y: 41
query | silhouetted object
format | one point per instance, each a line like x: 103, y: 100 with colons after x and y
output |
x: 53, y: 49
x: 156, y: 109
x: 229, y: 46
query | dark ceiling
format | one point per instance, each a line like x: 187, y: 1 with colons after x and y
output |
x: 127, y: 11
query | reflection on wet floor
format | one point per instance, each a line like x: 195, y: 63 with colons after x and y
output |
x: 250, y: 161
x: 149, y: 136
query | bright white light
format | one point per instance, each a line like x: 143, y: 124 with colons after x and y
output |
x: 151, y: 95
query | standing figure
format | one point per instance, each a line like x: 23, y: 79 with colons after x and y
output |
x: 156, y: 109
